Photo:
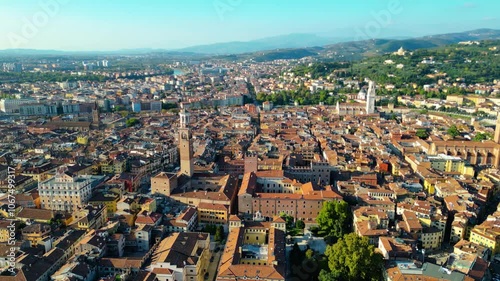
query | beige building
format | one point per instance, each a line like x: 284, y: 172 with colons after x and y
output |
x: 209, y: 213
x: 66, y: 191
x: 36, y: 233
x: 476, y: 153
x: 5, y: 229
x: 163, y: 183
x: 467, y: 247
x: 487, y: 234
x: 431, y: 238
x: 371, y: 222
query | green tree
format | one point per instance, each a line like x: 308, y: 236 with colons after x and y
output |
x: 309, y: 254
x: 453, y: 131
x: 124, y: 113
x: 210, y: 228
x: 422, y: 133
x: 482, y: 136
x: 355, y: 259
x: 325, y: 275
x: 219, y: 233
x: 131, y: 122
x: 168, y: 105
x: 288, y: 219
x: 300, y: 224
x: 334, y: 219
x: 296, y: 255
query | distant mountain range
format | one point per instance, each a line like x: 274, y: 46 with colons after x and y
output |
x: 293, y: 41
x: 291, y: 46
x: 296, y: 40
x: 354, y: 50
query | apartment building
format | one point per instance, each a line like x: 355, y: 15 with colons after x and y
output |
x: 182, y: 256
x: 371, y: 222
x: 66, y: 191
x: 487, y: 234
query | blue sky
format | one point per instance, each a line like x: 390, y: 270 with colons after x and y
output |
x: 122, y: 24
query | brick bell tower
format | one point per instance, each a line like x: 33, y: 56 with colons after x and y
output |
x: 185, y: 144
x: 96, y: 121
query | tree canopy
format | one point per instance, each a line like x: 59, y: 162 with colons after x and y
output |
x: 300, y: 224
x: 296, y: 255
x: 131, y: 122
x: 352, y: 258
x: 453, y: 131
x: 422, y: 133
x: 288, y: 219
x: 219, y: 234
x: 334, y: 219
x: 482, y: 136
x: 302, y: 96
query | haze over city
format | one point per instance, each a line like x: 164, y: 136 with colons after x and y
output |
x: 114, y: 25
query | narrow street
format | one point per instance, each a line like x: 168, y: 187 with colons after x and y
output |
x: 214, y: 265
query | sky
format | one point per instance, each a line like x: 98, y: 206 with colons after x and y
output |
x: 85, y: 25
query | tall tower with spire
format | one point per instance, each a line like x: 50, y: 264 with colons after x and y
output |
x: 370, y: 98
x: 497, y: 130
x: 185, y: 144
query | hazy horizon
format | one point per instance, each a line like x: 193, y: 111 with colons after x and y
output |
x: 70, y: 25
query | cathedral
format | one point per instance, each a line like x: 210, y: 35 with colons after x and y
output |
x: 360, y: 108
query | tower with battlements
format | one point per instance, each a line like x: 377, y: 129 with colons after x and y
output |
x: 185, y: 144
x: 96, y: 121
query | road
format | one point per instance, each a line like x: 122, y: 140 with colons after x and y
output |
x: 213, y: 266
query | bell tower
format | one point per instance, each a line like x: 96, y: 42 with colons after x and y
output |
x: 370, y: 98
x: 185, y: 144
x: 96, y: 121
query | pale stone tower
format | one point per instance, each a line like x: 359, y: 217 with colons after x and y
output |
x: 185, y: 144
x: 370, y: 98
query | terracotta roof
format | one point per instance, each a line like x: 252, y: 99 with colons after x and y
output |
x: 36, y: 214
x: 178, y: 248
x: 158, y: 270
x: 248, y: 184
x: 234, y: 218
x: 230, y: 267
x: 211, y: 206
x: 270, y: 174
